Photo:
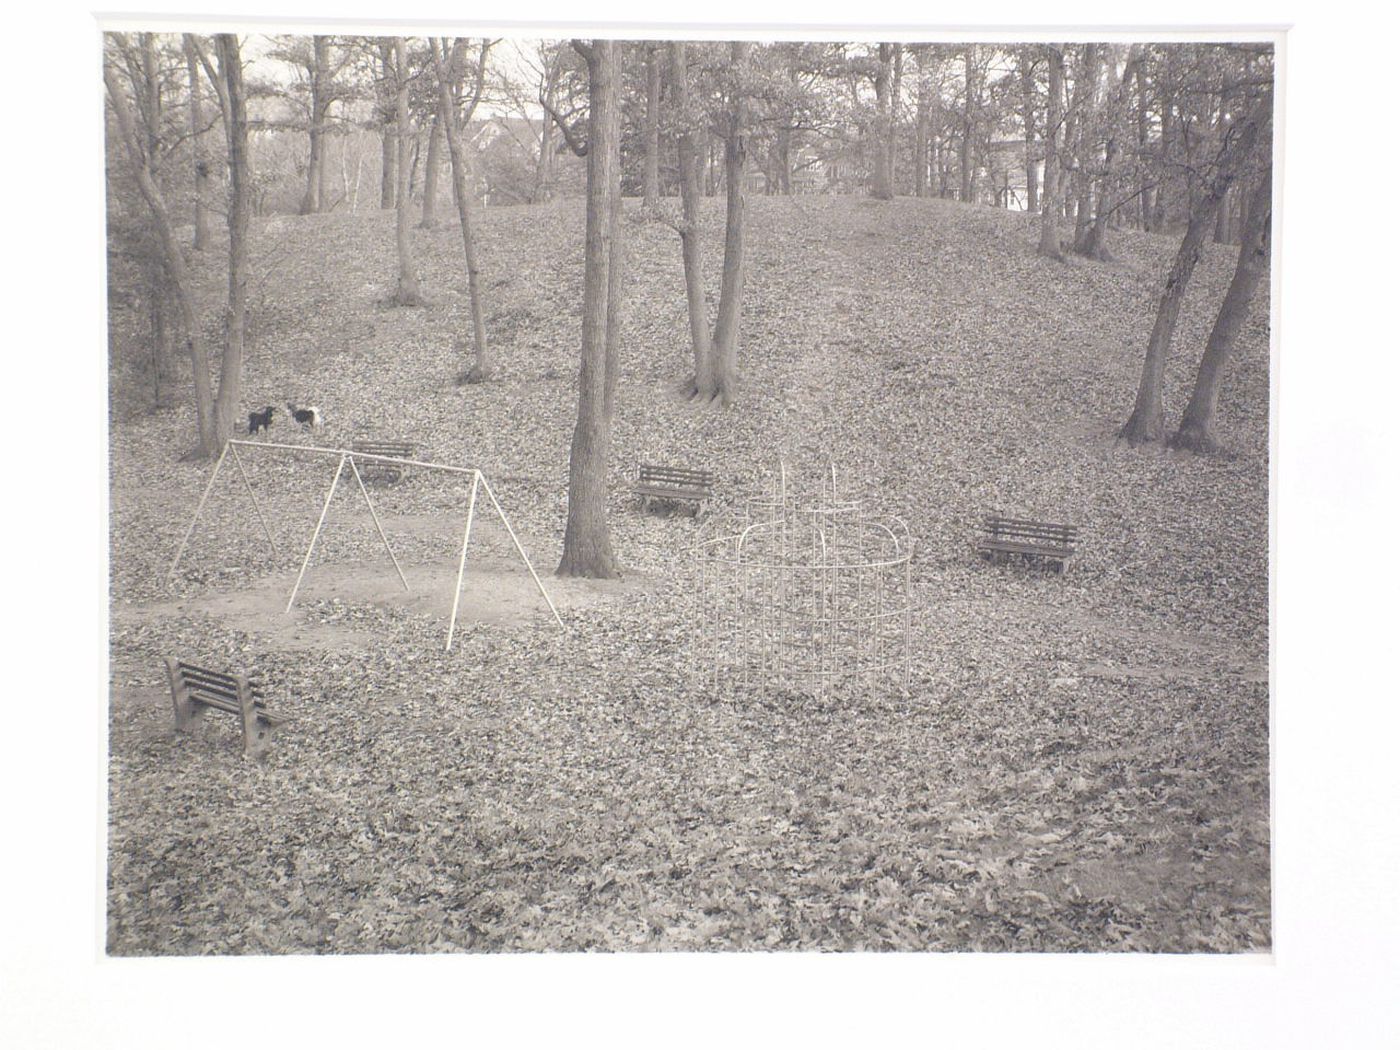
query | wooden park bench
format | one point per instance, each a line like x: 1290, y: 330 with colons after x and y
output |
x: 674, y: 485
x: 195, y: 688
x: 1034, y: 541
x: 373, y: 469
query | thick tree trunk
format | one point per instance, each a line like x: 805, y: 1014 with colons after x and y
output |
x: 688, y: 158
x: 1197, y: 429
x: 967, y: 189
x: 311, y: 201
x: 587, y: 545
x: 430, y: 174
x: 162, y: 337
x: 239, y: 201
x: 1028, y: 124
x: 651, y: 163
x: 711, y: 167
x: 731, y: 290
x: 1144, y: 189
x: 1145, y: 424
x: 201, y: 159
x: 880, y: 166
x: 1166, y: 148
x: 174, y: 261
x: 892, y: 136
x: 1095, y: 240
x: 921, y: 119
x: 1050, y: 199
x: 1085, y: 148
x: 447, y: 73
x: 782, y: 160
x: 388, y: 127
x: 408, y: 292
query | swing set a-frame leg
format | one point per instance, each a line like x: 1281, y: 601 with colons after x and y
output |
x: 462, y: 562
x: 520, y: 550
x: 208, y: 488
x: 370, y: 504
x: 238, y: 462
x: 316, y: 535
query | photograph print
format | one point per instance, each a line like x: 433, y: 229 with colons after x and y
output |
x: 688, y: 495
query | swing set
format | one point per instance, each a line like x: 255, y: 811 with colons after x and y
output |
x: 347, y: 456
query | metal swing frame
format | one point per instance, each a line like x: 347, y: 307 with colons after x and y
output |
x: 347, y: 456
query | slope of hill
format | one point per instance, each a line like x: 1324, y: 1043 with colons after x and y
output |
x: 1081, y: 764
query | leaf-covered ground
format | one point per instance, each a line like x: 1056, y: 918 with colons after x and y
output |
x: 1081, y: 763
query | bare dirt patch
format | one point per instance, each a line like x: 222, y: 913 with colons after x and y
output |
x: 494, y: 591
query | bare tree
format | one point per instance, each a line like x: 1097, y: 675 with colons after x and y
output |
x: 448, y: 66
x: 430, y: 172
x: 173, y: 259
x: 1050, y: 199
x: 1025, y: 69
x: 201, y: 159
x: 1079, y: 140
x: 1145, y: 424
x: 320, y: 74
x: 689, y: 161
x: 651, y: 169
x: 1102, y: 186
x: 716, y: 356
x: 387, y: 98
x: 227, y: 79
x: 880, y: 182
x: 587, y: 544
x: 408, y: 292
x: 1197, y: 429
x: 731, y: 289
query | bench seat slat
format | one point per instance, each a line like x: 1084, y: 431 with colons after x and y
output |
x: 1032, y: 537
x: 675, y: 482
x: 1030, y: 530
x: 1008, y: 523
x: 1023, y: 548
x: 233, y: 707
x: 665, y: 490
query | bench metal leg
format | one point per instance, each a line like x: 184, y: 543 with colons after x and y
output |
x: 186, y: 710
x: 256, y: 733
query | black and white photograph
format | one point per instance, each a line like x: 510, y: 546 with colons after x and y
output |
x: 710, y: 495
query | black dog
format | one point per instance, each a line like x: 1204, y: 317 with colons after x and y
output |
x: 260, y: 420
x: 305, y: 417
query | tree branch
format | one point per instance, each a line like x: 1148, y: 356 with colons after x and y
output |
x: 579, y: 147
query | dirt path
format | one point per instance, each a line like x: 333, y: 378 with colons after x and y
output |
x: 495, y: 590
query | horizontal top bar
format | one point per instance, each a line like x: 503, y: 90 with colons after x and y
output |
x: 352, y: 454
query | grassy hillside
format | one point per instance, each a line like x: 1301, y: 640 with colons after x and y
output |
x: 1082, y: 761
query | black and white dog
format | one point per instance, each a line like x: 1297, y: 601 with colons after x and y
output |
x: 305, y: 417
x: 260, y: 420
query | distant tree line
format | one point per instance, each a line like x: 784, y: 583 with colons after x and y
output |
x: 1087, y: 138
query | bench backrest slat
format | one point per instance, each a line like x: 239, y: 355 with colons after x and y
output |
x: 216, y: 683
x: 1012, y: 528
x: 649, y: 472
x: 402, y: 449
